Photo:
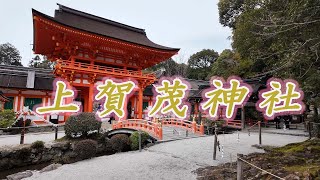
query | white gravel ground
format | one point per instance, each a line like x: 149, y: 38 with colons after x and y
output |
x: 10, y: 140
x: 171, y: 160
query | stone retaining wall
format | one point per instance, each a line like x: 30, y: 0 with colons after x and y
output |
x: 58, y: 152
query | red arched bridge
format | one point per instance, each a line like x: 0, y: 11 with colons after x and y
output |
x: 155, y: 127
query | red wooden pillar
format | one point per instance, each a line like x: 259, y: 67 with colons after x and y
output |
x: 90, y: 98
x: 68, y: 101
x: 196, y: 108
x: 47, y: 103
x: 19, y: 101
x: 140, y: 102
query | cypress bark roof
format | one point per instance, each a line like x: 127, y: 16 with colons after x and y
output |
x: 16, y: 77
x: 101, y: 26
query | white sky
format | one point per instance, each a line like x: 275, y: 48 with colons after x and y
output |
x: 191, y: 25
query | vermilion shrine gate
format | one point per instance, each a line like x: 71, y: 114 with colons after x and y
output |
x: 86, y: 48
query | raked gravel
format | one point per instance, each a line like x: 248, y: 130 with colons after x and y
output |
x: 170, y: 160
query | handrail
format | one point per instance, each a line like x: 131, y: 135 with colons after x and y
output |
x: 146, y: 125
x: 253, y: 125
x: 137, y: 120
x: 177, y: 119
x: 80, y: 65
x: 156, y: 128
x: 196, y: 128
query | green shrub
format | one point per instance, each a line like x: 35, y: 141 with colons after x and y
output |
x: 66, y: 159
x: 100, y: 138
x: 23, y: 153
x: 7, y: 118
x: 108, y: 146
x: 134, y: 139
x: 120, y: 142
x: 81, y: 125
x: 211, y: 123
x: 86, y: 148
x: 37, y: 145
x: 104, y: 142
x: 104, y: 145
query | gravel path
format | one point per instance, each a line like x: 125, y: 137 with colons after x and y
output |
x: 170, y: 160
x: 11, y: 140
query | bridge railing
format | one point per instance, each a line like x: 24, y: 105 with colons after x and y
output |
x: 149, y: 126
x: 155, y: 127
x: 190, y: 125
x: 234, y: 124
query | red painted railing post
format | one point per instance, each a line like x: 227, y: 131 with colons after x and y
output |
x: 160, y: 131
x: 155, y: 129
x: 201, y: 128
x: 120, y: 124
x: 194, y: 126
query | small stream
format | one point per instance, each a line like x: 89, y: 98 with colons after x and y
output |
x: 5, y: 173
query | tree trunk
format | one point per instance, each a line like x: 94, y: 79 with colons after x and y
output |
x: 316, y: 127
x: 315, y: 114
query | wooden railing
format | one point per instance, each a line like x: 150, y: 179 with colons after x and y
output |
x: 151, y: 127
x: 66, y: 64
x: 234, y: 124
x: 189, y: 125
x: 155, y: 128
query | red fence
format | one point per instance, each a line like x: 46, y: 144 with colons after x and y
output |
x: 155, y: 127
x: 148, y: 126
x: 189, y: 125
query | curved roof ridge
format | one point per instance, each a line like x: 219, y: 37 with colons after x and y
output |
x: 101, y: 19
x: 103, y: 29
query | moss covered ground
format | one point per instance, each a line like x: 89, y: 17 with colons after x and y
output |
x: 293, y: 161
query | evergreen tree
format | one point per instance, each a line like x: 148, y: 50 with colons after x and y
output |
x: 9, y: 55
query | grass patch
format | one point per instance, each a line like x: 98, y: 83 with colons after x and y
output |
x: 310, y: 168
x: 291, y: 148
x: 309, y: 145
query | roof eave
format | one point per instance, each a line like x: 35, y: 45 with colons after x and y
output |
x: 35, y: 12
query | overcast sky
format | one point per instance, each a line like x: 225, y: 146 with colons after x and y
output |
x: 191, y: 25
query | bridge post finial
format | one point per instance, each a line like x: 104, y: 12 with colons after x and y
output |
x: 160, y: 133
x: 201, y: 128
x: 194, y: 126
